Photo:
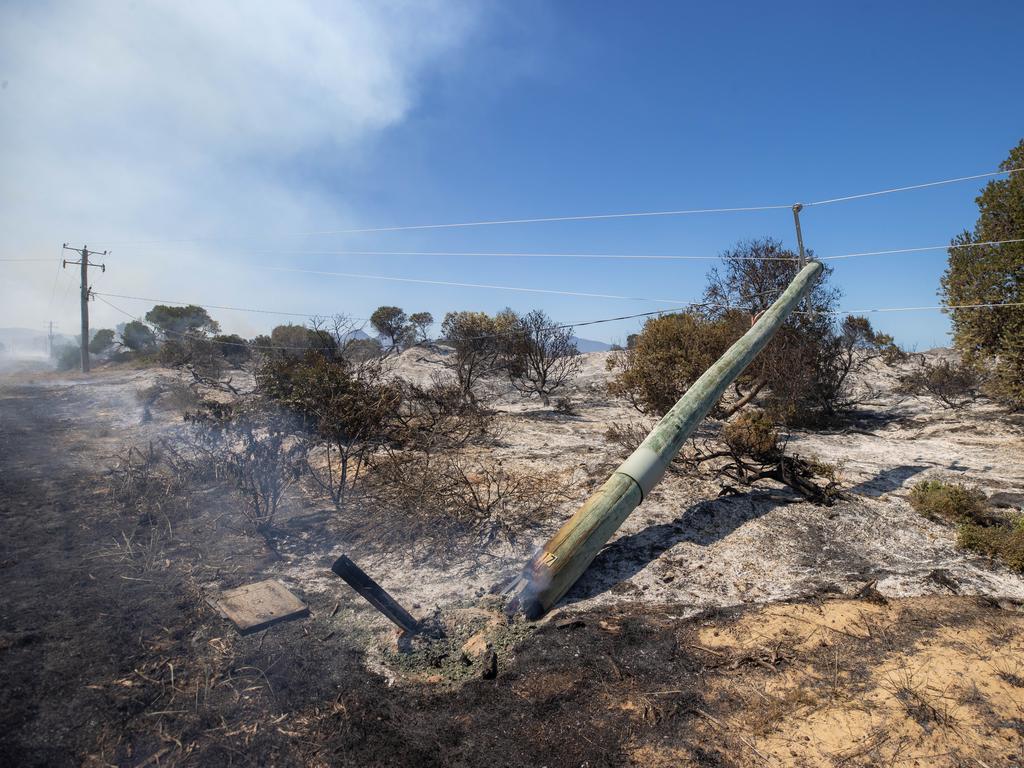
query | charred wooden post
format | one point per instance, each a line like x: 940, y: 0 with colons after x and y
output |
x: 561, y: 561
x: 375, y: 594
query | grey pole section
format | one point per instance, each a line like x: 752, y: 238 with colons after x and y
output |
x: 561, y: 561
x: 85, y: 309
x: 799, y: 234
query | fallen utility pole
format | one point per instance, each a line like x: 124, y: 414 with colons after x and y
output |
x: 85, y: 253
x: 561, y: 561
x: 374, y: 594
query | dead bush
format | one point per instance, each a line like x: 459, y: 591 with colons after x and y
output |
x: 953, y: 384
x: 754, y: 451
x: 479, y: 347
x: 566, y: 406
x: 157, y: 481
x: 748, y: 450
x: 438, y: 417
x: 351, y: 408
x: 258, y: 447
x: 453, y: 505
x: 172, y: 393
x: 191, y: 349
x: 139, y: 480
x: 542, y: 358
x: 752, y: 434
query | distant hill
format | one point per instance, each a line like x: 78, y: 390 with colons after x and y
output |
x: 589, y: 345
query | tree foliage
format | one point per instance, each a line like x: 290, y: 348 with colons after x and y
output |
x: 392, y: 324
x: 179, y: 321
x: 294, y: 341
x: 138, y: 337
x: 101, y: 341
x: 233, y: 348
x: 802, y: 376
x: 421, y: 322
x: 992, y: 274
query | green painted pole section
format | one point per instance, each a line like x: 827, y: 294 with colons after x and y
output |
x: 551, y: 573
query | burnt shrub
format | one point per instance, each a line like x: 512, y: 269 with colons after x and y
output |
x: 258, y: 446
x: 542, y: 357
x: 747, y: 451
x: 753, y: 434
x: 952, y: 384
x: 452, y: 505
x: 436, y: 416
x: 349, y: 408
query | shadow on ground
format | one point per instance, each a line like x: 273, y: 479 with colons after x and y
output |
x: 704, y: 523
x: 888, y: 480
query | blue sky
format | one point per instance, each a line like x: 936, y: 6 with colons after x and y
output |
x: 348, y: 116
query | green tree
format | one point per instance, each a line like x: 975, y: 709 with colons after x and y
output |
x: 138, y: 337
x: 101, y: 341
x: 421, y: 322
x: 803, y: 376
x: 391, y: 323
x: 292, y: 340
x: 233, y: 348
x: 992, y: 338
x: 180, y: 321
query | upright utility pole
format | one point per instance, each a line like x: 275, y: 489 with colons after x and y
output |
x: 799, y: 234
x: 49, y: 341
x: 84, y: 255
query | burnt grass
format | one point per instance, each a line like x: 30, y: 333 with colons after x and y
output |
x: 109, y: 654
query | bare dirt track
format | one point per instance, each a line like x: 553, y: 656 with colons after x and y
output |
x: 110, y: 656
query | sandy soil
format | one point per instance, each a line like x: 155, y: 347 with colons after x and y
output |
x: 709, y: 632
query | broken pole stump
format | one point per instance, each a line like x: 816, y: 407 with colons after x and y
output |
x: 375, y: 594
x: 563, y: 559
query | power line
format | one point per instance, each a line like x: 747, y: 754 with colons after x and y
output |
x: 209, y: 306
x: 23, y: 260
x: 517, y: 254
x: 920, y: 249
x: 472, y: 285
x: 638, y: 256
x: 545, y: 219
x: 183, y: 335
x: 682, y: 307
x: 944, y: 308
x: 650, y: 256
x: 592, y: 217
x: 912, y: 187
x: 601, y: 216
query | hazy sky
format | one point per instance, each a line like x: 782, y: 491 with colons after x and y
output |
x: 204, y: 143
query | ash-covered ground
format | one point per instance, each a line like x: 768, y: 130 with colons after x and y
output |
x: 742, y: 630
